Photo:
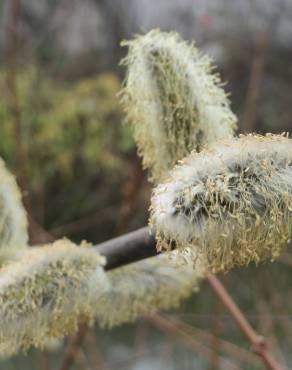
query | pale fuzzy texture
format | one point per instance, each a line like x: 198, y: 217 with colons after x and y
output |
x: 145, y: 287
x: 172, y: 100
x: 46, y: 292
x: 13, y: 221
x: 232, y: 202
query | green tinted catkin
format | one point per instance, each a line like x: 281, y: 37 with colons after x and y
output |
x: 172, y: 100
x: 46, y: 292
x: 145, y: 287
x: 231, y: 202
x: 13, y: 221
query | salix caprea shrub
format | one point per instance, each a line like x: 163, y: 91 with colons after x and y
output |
x: 231, y: 202
x: 227, y: 205
x: 173, y: 100
x: 13, y: 221
x: 46, y: 292
x: 147, y: 286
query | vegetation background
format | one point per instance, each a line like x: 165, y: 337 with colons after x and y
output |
x: 61, y: 134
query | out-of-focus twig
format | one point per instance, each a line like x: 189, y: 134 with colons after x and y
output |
x: 130, y: 191
x: 10, y: 57
x: 94, y: 354
x: 268, y: 326
x: 229, y: 348
x: 81, y: 224
x: 73, y: 348
x: 254, y: 85
x: 286, y: 259
x: 258, y: 343
x: 216, y: 343
x: 188, y: 340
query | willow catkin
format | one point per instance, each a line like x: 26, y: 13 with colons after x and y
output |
x: 146, y: 287
x: 172, y: 100
x: 232, y: 202
x: 13, y: 221
x: 46, y: 292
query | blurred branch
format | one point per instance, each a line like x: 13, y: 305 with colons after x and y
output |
x: 130, y: 191
x: 188, y: 340
x: 81, y: 224
x: 286, y: 259
x: 267, y: 326
x: 72, y: 350
x: 216, y: 343
x: 10, y: 57
x: 254, y: 85
x: 229, y: 348
x: 258, y: 343
x: 95, y: 356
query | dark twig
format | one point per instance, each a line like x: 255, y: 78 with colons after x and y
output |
x: 255, y: 83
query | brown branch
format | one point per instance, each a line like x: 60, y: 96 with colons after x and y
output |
x: 229, y: 348
x: 187, y: 339
x: 10, y: 55
x: 73, y: 349
x: 267, y: 325
x: 94, y: 356
x: 216, y: 343
x: 258, y: 343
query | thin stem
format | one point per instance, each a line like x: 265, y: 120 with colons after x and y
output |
x: 258, y: 343
x: 72, y: 350
x: 188, y: 340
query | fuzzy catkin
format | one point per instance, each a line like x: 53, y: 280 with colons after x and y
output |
x: 172, y: 100
x: 232, y: 202
x: 13, y: 221
x: 46, y: 293
x: 145, y: 287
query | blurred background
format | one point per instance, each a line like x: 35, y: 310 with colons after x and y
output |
x: 61, y: 135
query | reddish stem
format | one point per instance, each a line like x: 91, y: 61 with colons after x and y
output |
x: 258, y: 343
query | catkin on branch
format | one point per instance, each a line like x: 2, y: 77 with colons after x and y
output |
x: 146, y: 287
x: 13, y: 221
x: 173, y: 100
x: 232, y: 202
x: 46, y: 293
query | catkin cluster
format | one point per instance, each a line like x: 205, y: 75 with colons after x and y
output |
x: 46, y: 292
x: 145, y: 287
x: 13, y: 222
x: 172, y: 100
x: 231, y: 202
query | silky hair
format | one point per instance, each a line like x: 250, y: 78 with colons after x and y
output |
x: 46, y: 292
x: 173, y: 100
x: 145, y: 287
x: 231, y: 202
x: 13, y: 220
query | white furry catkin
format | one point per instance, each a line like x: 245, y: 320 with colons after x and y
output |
x: 232, y: 202
x: 13, y: 221
x: 46, y: 292
x: 146, y: 287
x: 172, y: 100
